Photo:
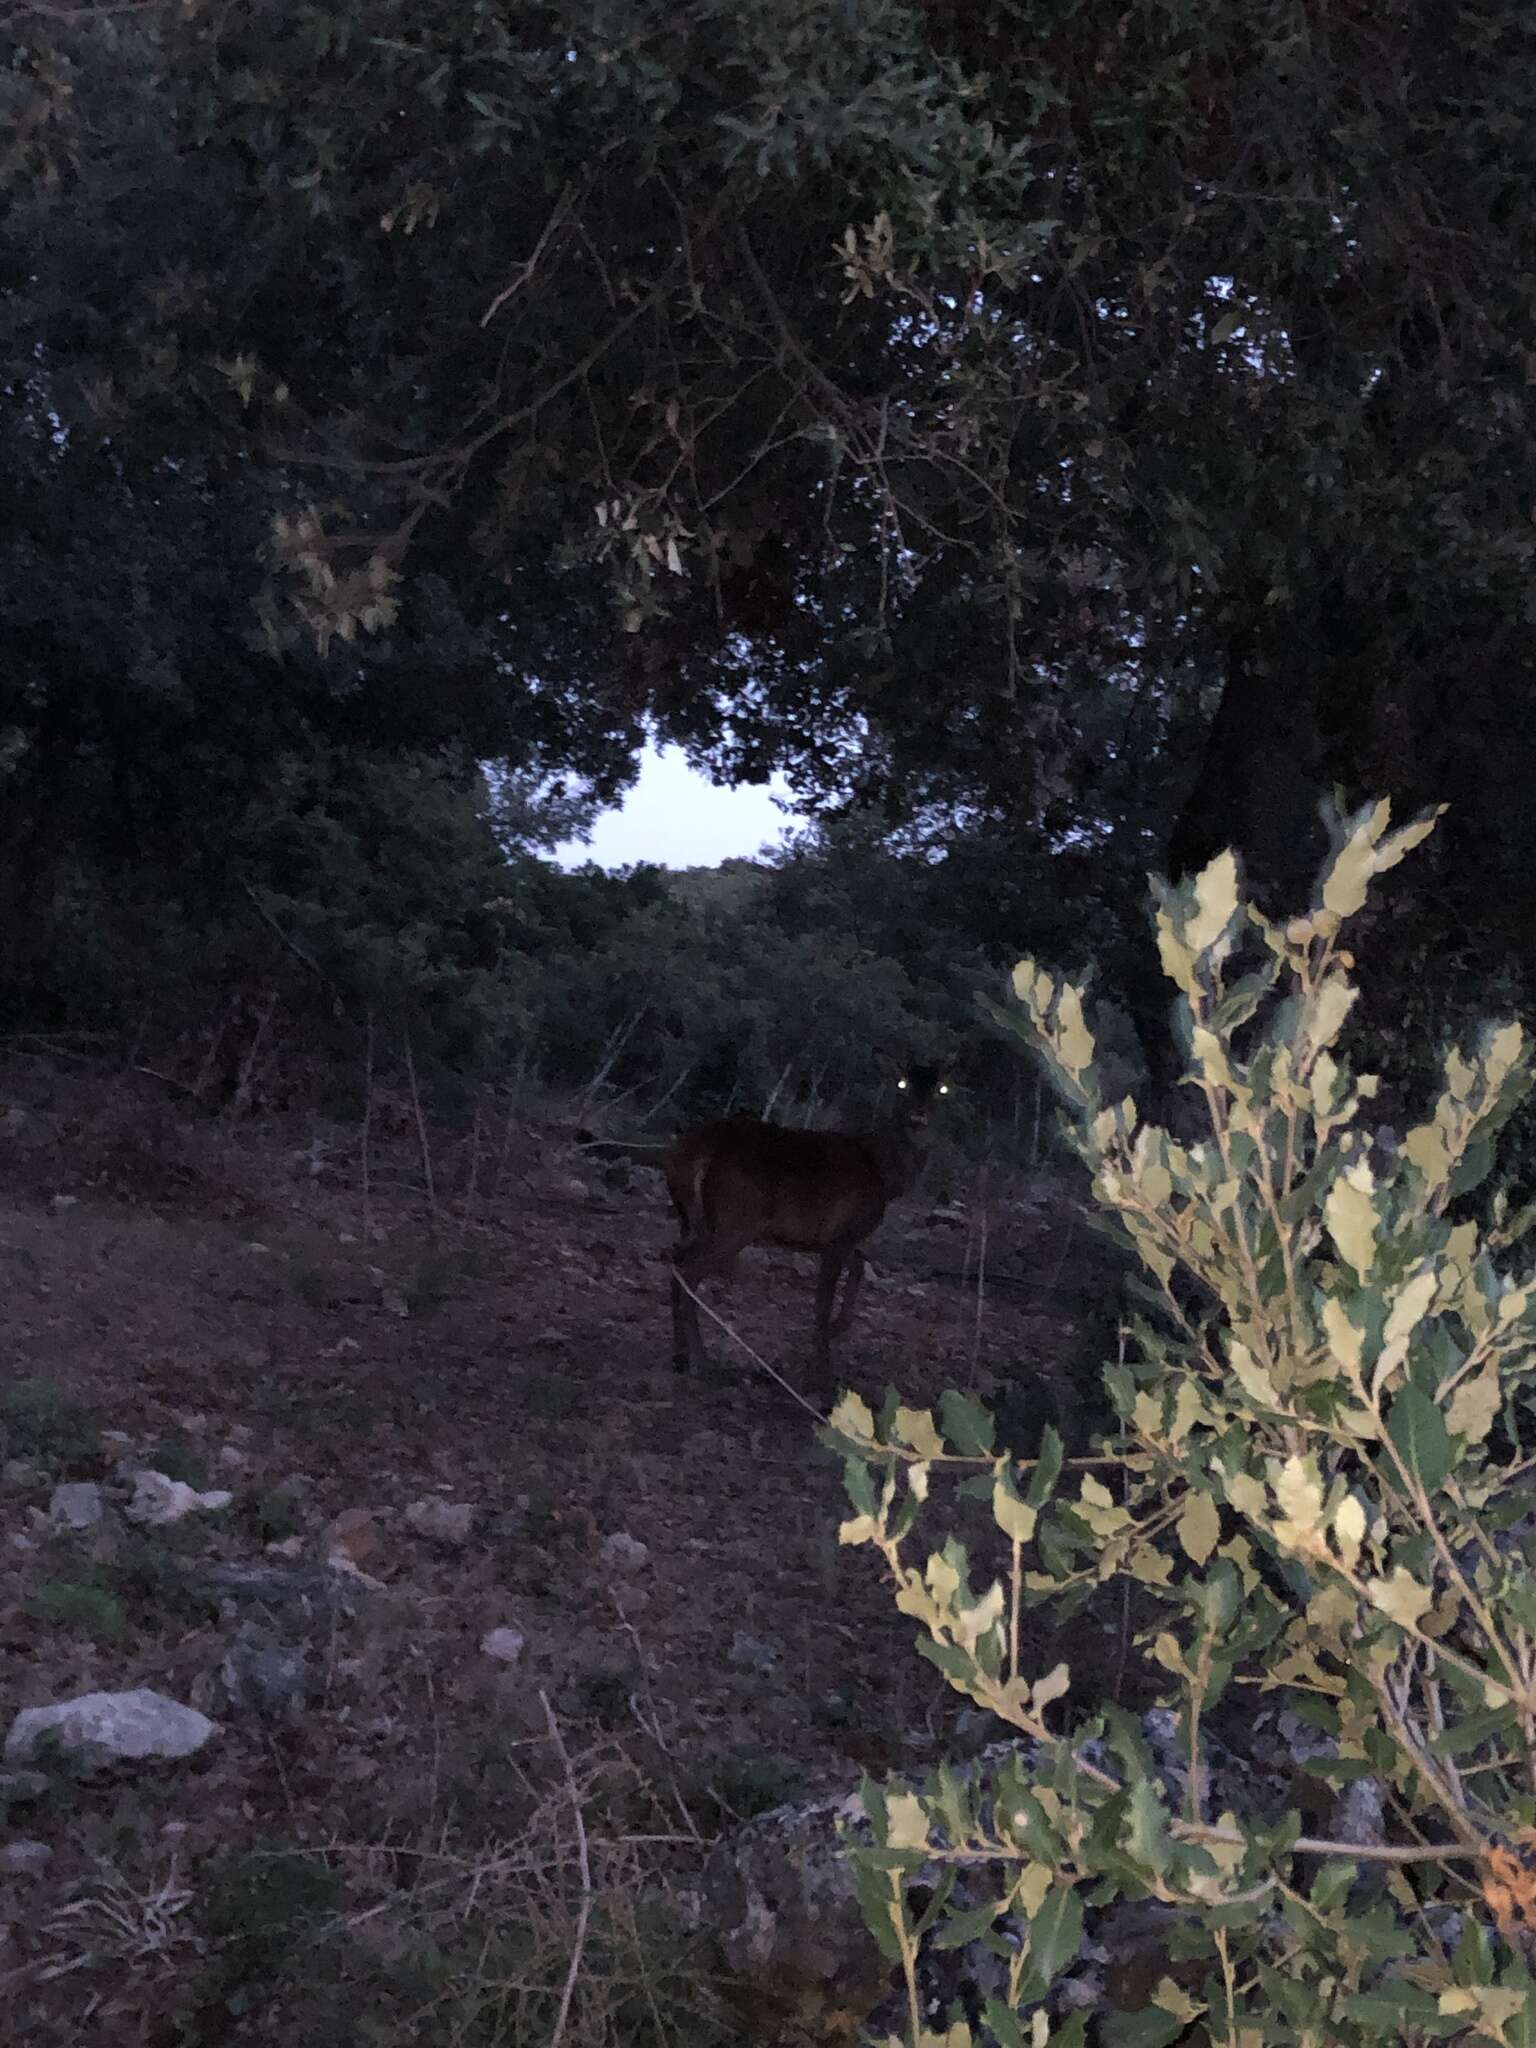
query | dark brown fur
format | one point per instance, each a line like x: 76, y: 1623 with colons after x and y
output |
x: 742, y: 1182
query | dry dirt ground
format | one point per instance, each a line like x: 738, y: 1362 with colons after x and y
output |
x: 399, y: 1859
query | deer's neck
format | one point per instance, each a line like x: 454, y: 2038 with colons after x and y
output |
x: 898, y: 1152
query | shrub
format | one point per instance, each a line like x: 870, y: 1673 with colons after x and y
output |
x: 1315, y: 1482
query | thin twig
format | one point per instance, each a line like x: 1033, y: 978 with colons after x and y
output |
x: 367, y: 1133
x: 737, y: 1339
x: 421, y: 1131
x: 585, y: 1914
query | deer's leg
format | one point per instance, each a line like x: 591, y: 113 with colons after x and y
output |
x: 693, y: 1261
x: 844, y: 1315
x: 832, y: 1262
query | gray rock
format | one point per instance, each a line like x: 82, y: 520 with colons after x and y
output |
x: 750, y: 1653
x: 447, y: 1523
x: 622, y: 1553
x: 506, y: 1645
x: 24, y: 1858
x: 779, y: 1899
x: 263, y: 1677
x: 306, y: 1589
x: 111, y: 1727
x: 75, y: 1506
x: 158, y: 1499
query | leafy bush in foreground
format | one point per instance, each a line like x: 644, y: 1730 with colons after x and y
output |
x: 1317, y: 1483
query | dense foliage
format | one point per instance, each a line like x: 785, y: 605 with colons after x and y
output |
x: 1093, y: 431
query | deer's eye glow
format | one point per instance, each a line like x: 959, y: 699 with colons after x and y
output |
x: 902, y: 1082
x: 943, y: 1087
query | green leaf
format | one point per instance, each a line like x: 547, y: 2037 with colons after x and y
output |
x: 1420, y: 1438
x: 1004, y: 2025
x: 1042, y: 1480
x: 966, y: 1424
x: 1332, y: 1885
x: 1394, y: 2005
x: 1147, y: 1835
x: 961, y: 1929
x: 1056, y: 1934
x: 860, y: 1483
x: 1149, y: 2028
x: 1472, y: 1731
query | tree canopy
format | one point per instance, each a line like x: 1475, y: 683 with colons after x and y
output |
x: 1111, y: 425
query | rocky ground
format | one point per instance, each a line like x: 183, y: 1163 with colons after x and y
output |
x: 495, y: 1622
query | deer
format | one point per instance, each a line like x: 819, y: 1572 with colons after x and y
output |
x: 743, y: 1182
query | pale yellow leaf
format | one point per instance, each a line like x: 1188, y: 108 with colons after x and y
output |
x: 1251, y: 1376
x: 1247, y: 1495
x: 1215, y: 902
x: 1074, y: 1041
x: 1166, y: 1651
x: 1503, y: 1053
x: 1409, y: 1309
x: 1147, y: 1415
x: 1299, y: 1493
x: 914, y: 1427
x: 908, y: 1822
x: 1401, y: 1598
x: 1052, y: 1686
x: 1345, y: 1341
x: 1351, y: 1218
x: 1348, y: 879
x: 1425, y: 1146
x: 1188, y: 1409
x: 1169, y: 1998
x: 1032, y: 1888
x: 1328, y: 1009
x: 1013, y: 1516
x: 1178, y: 961
x: 854, y: 1418
x: 1349, y: 1529
x: 970, y: 1624
x: 1475, y: 1405
x: 1209, y: 1057
x: 1148, y: 1565
x: 1199, y: 1527
x: 857, y: 1529
x: 943, y: 1579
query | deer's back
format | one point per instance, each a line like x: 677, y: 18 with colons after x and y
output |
x: 798, y: 1189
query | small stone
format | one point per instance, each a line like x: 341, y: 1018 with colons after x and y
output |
x: 110, y: 1727
x: 19, y: 1472
x: 264, y: 1677
x: 158, y: 1499
x: 62, y: 1202
x: 622, y: 1553
x: 354, y: 1536
x: 750, y: 1653
x: 75, y: 1506
x: 291, y: 1546
x: 506, y: 1645
x: 25, y: 1858
x: 231, y: 1459
x: 445, y: 1522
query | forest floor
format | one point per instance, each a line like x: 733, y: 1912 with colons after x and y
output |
x: 396, y: 1856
